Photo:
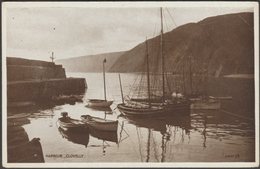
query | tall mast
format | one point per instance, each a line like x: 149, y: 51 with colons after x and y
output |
x: 162, y: 55
x: 148, y: 73
x: 104, y: 78
x: 122, y: 96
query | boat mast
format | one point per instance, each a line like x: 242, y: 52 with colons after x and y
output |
x: 148, y: 73
x: 104, y: 78
x: 162, y: 55
x: 122, y: 96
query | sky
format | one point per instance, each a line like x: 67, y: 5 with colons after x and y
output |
x: 34, y: 32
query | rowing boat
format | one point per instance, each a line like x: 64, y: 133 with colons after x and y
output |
x: 99, y: 123
x: 66, y: 123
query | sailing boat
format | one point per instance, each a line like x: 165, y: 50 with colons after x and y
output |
x: 149, y: 107
x: 100, y: 102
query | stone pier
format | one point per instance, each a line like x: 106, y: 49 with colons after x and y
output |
x: 32, y: 80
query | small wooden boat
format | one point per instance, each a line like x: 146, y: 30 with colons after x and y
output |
x: 98, y: 103
x: 66, y: 122
x: 99, y: 123
x: 107, y: 110
x: 208, y: 104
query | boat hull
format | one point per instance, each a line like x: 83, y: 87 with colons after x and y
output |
x: 100, y: 124
x: 71, y: 124
x: 205, y: 105
x: 179, y: 108
x: 104, y: 127
x: 99, y: 103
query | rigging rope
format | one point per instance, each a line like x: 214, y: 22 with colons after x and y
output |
x: 243, y: 19
x: 171, y: 17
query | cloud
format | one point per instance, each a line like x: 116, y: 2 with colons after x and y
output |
x: 36, y: 31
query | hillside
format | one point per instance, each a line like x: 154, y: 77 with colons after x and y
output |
x: 90, y: 63
x: 223, y: 44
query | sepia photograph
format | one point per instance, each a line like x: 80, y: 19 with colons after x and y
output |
x: 130, y: 84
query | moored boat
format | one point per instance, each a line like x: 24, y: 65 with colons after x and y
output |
x: 207, y: 104
x: 154, y: 101
x: 143, y: 110
x: 98, y: 103
x: 99, y: 123
x: 67, y: 123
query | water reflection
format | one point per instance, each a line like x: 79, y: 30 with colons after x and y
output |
x: 163, y: 123
x: 159, y: 132
x: 218, y: 125
x: 104, y: 135
x: 202, y: 136
x: 76, y: 136
x: 19, y: 147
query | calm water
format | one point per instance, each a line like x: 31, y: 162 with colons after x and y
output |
x: 204, y: 136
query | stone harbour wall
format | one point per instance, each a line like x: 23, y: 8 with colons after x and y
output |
x: 44, y: 89
x: 33, y: 80
x: 23, y: 69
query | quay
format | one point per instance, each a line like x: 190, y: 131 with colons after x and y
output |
x: 32, y: 80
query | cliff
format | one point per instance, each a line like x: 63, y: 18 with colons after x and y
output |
x: 222, y: 44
